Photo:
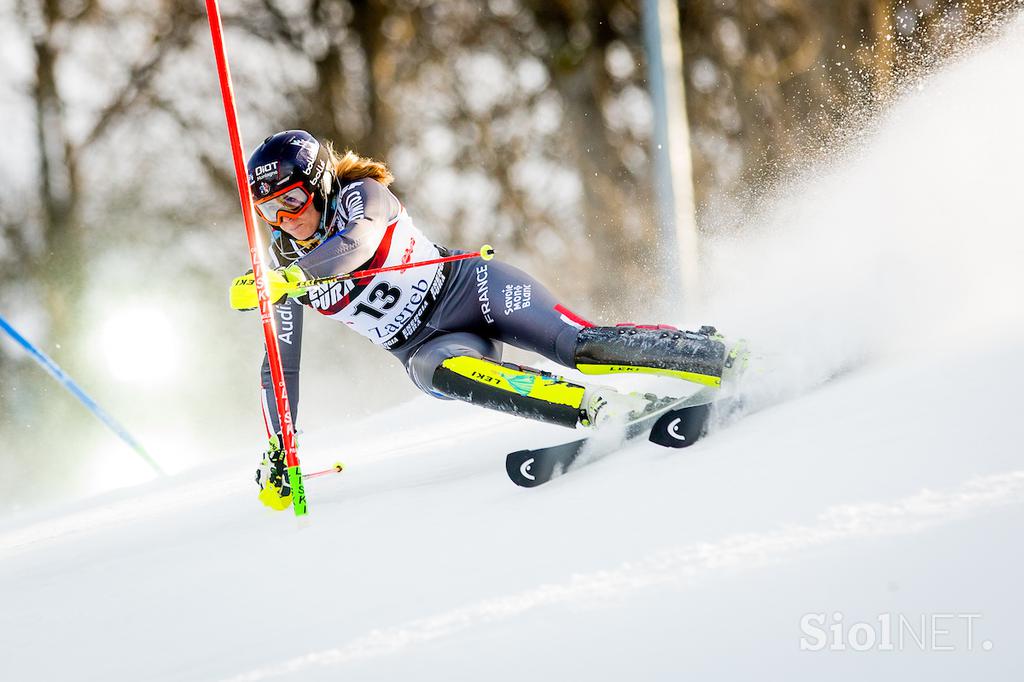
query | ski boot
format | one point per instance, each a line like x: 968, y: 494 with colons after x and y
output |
x: 605, y: 406
x: 699, y: 356
x: 272, y: 478
x: 736, y: 363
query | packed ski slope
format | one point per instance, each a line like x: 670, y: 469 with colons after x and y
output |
x: 893, y: 494
x: 896, y: 490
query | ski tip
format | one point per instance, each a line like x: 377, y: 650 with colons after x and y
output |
x: 681, y: 428
x: 521, y: 468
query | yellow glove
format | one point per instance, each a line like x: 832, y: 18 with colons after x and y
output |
x: 272, y: 478
x: 272, y: 496
x: 245, y: 296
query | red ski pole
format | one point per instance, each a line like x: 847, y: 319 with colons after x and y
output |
x: 259, y: 274
x: 337, y: 468
x: 486, y: 252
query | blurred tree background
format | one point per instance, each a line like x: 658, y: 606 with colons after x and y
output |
x: 523, y: 123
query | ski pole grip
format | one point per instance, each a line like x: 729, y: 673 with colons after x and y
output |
x: 486, y: 252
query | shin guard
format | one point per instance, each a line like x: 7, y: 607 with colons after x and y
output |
x: 507, y: 387
x: 694, y: 356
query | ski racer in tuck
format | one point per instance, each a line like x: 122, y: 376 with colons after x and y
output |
x: 333, y: 214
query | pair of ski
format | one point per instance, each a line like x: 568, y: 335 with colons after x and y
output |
x: 675, y: 424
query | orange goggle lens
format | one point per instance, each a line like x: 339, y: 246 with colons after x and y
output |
x: 290, y: 201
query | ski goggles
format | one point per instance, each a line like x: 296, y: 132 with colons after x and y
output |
x: 292, y: 201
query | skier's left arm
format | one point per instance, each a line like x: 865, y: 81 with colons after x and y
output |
x: 288, y: 323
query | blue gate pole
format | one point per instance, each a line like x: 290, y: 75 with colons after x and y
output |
x: 57, y: 373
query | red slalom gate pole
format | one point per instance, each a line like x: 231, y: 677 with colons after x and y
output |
x: 284, y: 412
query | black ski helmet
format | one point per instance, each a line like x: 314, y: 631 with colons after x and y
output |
x: 288, y: 159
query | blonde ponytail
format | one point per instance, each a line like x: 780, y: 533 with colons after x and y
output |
x: 351, y: 166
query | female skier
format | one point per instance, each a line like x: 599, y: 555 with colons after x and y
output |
x: 332, y: 214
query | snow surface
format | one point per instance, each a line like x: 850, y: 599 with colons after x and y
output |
x: 895, y: 491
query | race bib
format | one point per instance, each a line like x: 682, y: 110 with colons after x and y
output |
x: 387, y: 308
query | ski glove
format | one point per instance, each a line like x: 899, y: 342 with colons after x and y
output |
x: 272, y: 477
x: 245, y: 295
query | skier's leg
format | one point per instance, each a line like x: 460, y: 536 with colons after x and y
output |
x: 698, y: 356
x: 527, y: 315
x: 467, y: 367
x: 423, y: 361
x: 492, y: 303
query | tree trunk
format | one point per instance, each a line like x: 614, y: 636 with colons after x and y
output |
x: 59, y: 265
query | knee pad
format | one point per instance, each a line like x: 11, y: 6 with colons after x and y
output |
x: 512, y: 388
